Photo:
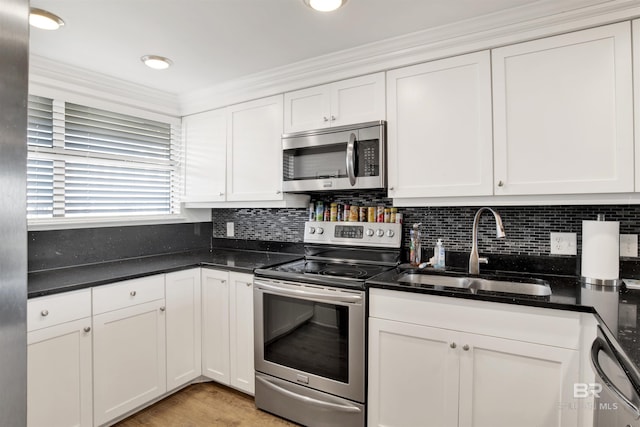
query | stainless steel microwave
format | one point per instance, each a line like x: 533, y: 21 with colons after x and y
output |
x: 339, y: 158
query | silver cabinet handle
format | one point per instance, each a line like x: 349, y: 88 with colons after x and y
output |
x: 453, y: 345
x: 248, y: 284
x: 351, y: 159
x: 391, y: 188
x: 500, y: 183
x: 44, y: 313
x: 163, y: 308
x: 132, y: 293
x: 221, y: 193
x: 87, y: 329
x: 333, y: 118
x: 465, y: 347
x: 325, y: 119
x: 223, y: 281
x: 278, y: 192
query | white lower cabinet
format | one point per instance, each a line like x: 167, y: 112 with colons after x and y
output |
x: 424, y: 375
x: 227, y: 328
x: 129, y: 346
x: 59, y: 373
x: 183, y: 313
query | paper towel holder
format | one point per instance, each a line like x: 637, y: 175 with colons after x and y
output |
x: 607, y: 283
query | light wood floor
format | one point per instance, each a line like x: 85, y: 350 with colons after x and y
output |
x: 204, y: 404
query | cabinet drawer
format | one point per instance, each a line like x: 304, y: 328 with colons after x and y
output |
x: 128, y: 293
x: 546, y: 326
x: 53, y: 310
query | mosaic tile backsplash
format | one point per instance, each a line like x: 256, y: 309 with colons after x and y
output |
x: 527, y: 227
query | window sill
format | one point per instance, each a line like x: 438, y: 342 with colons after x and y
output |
x: 188, y: 215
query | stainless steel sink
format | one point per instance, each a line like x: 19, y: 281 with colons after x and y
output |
x: 528, y: 286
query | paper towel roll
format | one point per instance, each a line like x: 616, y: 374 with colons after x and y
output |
x: 600, y: 250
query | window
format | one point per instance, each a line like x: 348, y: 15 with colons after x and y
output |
x: 87, y: 162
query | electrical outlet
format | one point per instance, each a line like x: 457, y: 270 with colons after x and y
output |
x: 230, y: 229
x: 629, y: 245
x: 564, y: 244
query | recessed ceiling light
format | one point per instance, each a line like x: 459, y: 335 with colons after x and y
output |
x: 44, y: 20
x: 325, y: 5
x: 156, y: 62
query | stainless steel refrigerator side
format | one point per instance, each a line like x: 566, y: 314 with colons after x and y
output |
x: 14, y: 69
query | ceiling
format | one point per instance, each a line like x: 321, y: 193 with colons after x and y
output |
x: 215, y: 41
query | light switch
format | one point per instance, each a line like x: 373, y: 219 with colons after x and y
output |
x: 629, y: 245
x: 230, y: 229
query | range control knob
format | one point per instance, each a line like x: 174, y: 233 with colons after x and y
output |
x: 390, y: 233
x: 312, y: 230
x: 320, y: 230
x: 369, y: 232
x: 380, y: 232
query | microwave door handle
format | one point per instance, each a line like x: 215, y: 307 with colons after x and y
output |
x: 598, y: 346
x: 351, y: 159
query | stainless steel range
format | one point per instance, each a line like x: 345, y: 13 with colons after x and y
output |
x: 310, y: 318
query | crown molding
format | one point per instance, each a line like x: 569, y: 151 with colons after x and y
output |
x: 46, y: 74
x: 544, y: 18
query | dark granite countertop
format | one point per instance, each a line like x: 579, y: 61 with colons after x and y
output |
x: 46, y: 282
x: 618, y: 310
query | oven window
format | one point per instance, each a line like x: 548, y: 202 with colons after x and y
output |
x: 307, y: 336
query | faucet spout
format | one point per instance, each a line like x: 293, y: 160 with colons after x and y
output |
x: 474, y: 257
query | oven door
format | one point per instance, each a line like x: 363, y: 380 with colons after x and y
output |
x: 311, y: 335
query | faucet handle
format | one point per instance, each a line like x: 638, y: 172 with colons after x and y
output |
x: 483, y: 260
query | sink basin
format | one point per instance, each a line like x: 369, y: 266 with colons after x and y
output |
x: 528, y: 286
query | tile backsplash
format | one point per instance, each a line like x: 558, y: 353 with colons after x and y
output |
x: 527, y: 227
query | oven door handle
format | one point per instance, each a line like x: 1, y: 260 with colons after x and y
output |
x: 350, y: 299
x: 307, y: 399
x: 351, y: 159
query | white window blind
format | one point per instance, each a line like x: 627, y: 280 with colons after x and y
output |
x: 87, y: 162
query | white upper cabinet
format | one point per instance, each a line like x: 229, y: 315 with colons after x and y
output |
x: 254, y: 150
x: 439, y: 128
x: 356, y: 100
x: 563, y: 114
x: 205, y: 139
x: 233, y: 157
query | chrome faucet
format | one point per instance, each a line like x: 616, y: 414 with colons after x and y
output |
x: 474, y: 258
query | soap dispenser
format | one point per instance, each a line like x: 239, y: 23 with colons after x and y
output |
x: 439, y: 255
x: 415, y: 247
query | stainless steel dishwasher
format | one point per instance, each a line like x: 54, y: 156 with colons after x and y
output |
x: 617, y: 386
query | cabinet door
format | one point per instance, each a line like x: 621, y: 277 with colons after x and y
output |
x: 241, y: 331
x: 358, y: 100
x: 129, y: 359
x: 413, y: 375
x: 215, y: 325
x: 564, y: 114
x: 307, y: 109
x: 254, y: 150
x: 59, y: 375
x: 440, y: 131
x: 507, y: 383
x: 184, y: 338
x: 205, y: 139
